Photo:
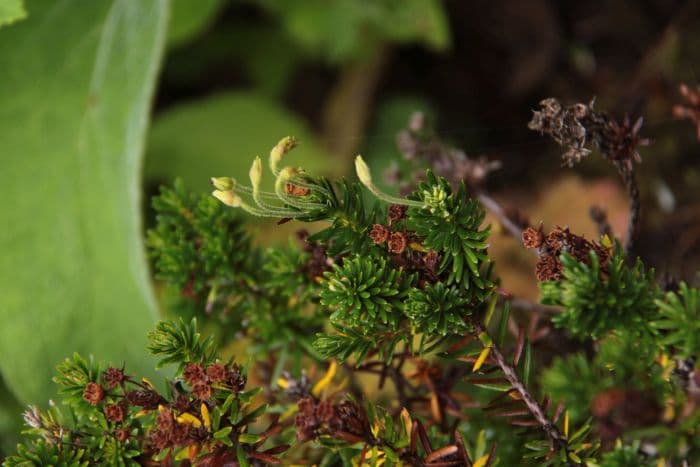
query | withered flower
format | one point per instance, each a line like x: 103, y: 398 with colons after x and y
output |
x: 379, y: 234
x: 397, y: 242
x: 93, y: 393
x: 396, y: 212
x: 113, y: 377
x: 194, y: 374
x: 548, y: 268
x: 202, y: 391
x: 533, y: 238
x: 115, y: 412
x: 296, y: 190
x: 216, y: 372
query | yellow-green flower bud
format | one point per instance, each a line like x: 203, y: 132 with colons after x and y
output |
x: 256, y: 174
x: 229, y: 198
x: 285, y: 145
x: 222, y: 183
x: 363, y: 172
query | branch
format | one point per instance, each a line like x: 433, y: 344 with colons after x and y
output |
x: 558, y: 440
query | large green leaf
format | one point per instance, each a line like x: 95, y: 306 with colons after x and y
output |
x: 190, y: 17
x: 77, y: 81
x: 220, y: 135
x: 11, y: 11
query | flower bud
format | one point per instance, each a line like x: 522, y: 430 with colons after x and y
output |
x: 363, y: 172
x: 229, y: 198
x: 285, y: 145
x: 222, y: 183
x: 255, y: 174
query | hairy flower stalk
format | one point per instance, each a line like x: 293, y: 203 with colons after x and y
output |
x: 365, y: 176
x: 230, y: 192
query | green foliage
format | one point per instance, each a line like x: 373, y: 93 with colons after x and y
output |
x: 450, y: 224
x: 621, y: 363
x: 341, y: 30
x: 123, y: 421
x: 350, y: 221
x: 43, y: 452
x: 197, y: 241
x: 365, y: 293
x: 78, y: 81
x: 626, y: 456
x: 12, y: 11
x: 175, y: 342
x: 679, y: 321
x: 189, y: 18
x: 596, y: 301
x: 438, y: 309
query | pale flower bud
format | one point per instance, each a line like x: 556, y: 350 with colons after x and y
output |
x: 363, y: 171
x: 229, y: 198
x: 222, y: 183
x: 256, y: 174
x: 285, y: 145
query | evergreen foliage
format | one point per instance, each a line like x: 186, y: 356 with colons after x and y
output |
x: 403, y: 290
x: 365, y: 293
x: 598, y: 299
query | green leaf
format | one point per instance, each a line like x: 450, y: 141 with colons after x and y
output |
x: 221, y: 135
x: 77, y: 82
x: 189, y: 18
x: 11, y: 11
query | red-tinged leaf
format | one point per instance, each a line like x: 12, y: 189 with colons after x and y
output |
x: 492, y: 455
x: 519, y: 346
x: 546, y: 403
x: 349, y: 437
x: 460, y: 344
x: 441, y: 453
x: 424, y: 440
x: 264, y: 457
x: 523, y: 422
x: 511, y: 413
x: 558, y: 411
x: 414, y: 436
x: 277, y: 449
x: 504, y: 405
x: 504, y: 394
x: 459, y: 442
x: 498, y: 380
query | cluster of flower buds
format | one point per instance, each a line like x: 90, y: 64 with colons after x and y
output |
x: 558, y: 241
x: 293, y: 188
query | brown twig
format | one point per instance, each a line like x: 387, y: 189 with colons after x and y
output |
x: 558, y: 440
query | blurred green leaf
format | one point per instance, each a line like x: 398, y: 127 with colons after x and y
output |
x: 189, y: 17
x: 220, y: 135
x: 11, y: 11
x: 77, y: 81
x: 345, y: 29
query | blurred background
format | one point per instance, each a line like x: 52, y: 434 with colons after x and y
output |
x: 344, y: 77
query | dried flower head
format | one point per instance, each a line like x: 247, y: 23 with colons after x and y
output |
x: 397, y: 242
x: 533, y: 238
x: 194, y: 374
x: 113, y: 377
x: 216, y: 372
x: 202, y: 391
x: 296, y: 190
x: 235, y: 378
x: 396, y: 213
x: 379, y: 234
x: 115, y: 412
x: 93, y: 393
x: 146, y: 398
x: 579, y: 127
